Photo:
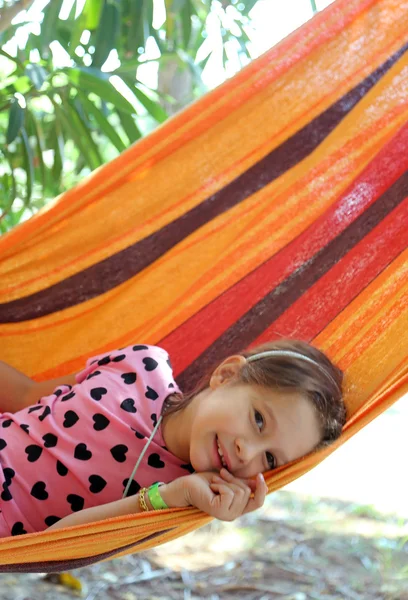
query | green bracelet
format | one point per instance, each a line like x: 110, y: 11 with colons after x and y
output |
x: 154, y: 496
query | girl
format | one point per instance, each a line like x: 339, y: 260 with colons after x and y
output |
x: 70, y: 458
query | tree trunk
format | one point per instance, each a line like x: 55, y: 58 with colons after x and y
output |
x: 176, y: 80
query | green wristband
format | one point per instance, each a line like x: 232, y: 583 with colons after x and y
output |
x: 154, y: 496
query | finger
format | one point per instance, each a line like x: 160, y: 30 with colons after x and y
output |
x: 240, y: 501
x: 241, y: 496
x: 240, y: 488
x: 231, y: 501
x: 226, y: 495
x: 238, y: 480
x: 232, y: 488
x: 259, y: 496
x: 226, y: 474
x: 251, y: 483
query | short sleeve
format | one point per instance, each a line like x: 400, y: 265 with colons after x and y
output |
x: 95, y: 362
x: 92, y: 363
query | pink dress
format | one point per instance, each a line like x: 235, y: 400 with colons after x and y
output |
x: 77, y: 447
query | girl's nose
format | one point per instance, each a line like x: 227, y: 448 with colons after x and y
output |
x: 246, y: 450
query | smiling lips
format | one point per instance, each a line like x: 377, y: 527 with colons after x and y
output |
x: 221, y: 455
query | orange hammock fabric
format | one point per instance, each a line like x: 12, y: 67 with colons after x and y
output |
x: 274, y: 206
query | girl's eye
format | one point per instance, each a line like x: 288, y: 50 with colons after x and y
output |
x: 269, y: 457
x: 271, y: 460
x: 258, y: 414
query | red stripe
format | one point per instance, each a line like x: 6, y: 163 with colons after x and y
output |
x: 338, y: 287
x: 185, y: 345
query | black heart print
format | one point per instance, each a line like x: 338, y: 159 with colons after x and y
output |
x: 151, y: 394
x: 33, y: 452
x: 93, y: 375
x: 8, y: 474
x: 68, y: 396
x: 104, y: 361
x: 47, y: 411
x: 129, y: 378
x: 50, y: 440
x: 128, y: 405
x: 97, y: 393
x: 38, y: 491
x: 150, y: 364
x: 18, y: 529
x: 119, y: 452
x: 51, y: 520
x: 100, y: 422
x: 119, y: 358
x: 3, y: 444
x: 97, y: 483
x: 61, y: 469
x: 76, y: 502
x: 155, y: 461
x: 82, y: 452
x: 5, y: 494
x: 134, y: 487
x: 70, y: 418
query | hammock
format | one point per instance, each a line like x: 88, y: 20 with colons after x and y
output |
x: 276, y: 205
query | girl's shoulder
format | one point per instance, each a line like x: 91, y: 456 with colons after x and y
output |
x: 134, y: 352
x: 144, y: 359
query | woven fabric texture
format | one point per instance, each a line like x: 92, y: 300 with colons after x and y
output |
x: 276, y: 205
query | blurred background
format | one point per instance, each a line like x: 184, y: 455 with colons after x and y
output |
x: 82, y: 80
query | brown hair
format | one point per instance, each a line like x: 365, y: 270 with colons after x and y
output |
x: 321, y: 384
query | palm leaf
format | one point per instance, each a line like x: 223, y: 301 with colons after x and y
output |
x: 101, y: 121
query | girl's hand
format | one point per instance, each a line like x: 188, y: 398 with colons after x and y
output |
x: 222, y: 496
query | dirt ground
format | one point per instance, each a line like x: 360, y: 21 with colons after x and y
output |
x: 294, y: 548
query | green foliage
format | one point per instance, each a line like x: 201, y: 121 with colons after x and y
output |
x: 58, y: 123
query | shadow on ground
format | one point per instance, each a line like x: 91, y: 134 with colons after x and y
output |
x: 295, y: 548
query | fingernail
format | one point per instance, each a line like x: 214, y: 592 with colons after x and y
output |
x: 261, y: 477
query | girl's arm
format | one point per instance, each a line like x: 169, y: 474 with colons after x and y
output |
x: 126, y: 506
x: 221, y: 496
x: 45, y: 388
x: 14, y: 386
x: 171, y: 493
x: 17, y: 391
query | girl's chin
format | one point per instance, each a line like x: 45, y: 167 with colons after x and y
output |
x: 200, y: 466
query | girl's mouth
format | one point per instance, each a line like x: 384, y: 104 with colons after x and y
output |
x: 220, y: 458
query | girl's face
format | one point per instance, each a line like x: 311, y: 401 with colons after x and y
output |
x: 256, y: 428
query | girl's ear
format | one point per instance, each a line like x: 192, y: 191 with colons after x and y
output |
x: 227, y: 371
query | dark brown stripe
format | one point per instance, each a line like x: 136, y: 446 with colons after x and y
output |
x: 116, y: 269
x: 56, y: 566
x: 263, y: 314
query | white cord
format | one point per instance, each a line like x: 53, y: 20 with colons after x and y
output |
x: 140, y: 457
